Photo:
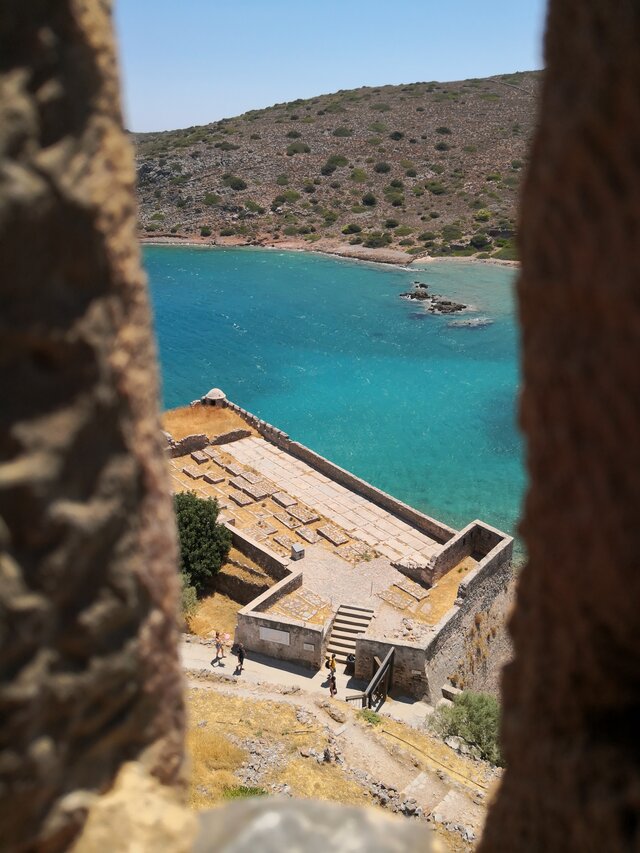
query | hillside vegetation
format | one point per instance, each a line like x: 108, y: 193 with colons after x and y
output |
x: 422, y: 168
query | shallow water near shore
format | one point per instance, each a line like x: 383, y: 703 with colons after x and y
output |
x: 327, y: 351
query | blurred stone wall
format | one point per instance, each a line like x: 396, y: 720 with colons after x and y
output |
x: 572, y: 696
x: 89, y: 674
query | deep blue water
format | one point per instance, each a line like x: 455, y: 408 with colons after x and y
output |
x: 327, y: 351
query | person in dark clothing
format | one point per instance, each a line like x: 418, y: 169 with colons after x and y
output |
x: 333, y: 687
x: 240, y: 658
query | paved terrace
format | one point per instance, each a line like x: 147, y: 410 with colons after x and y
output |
x: 349, y: 541
x: 362, y: 520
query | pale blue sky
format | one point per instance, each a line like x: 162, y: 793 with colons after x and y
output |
x: 187, y: 62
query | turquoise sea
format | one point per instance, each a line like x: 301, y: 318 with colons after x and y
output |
x: 326, y: 350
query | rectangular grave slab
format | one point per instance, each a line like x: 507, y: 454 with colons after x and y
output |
x: 308, y: 534
x: 266, y: 528
x: 239, y: 483
x: 192, y: 472
x: 199, y: 456
x: 284, y: 540
x: 211, y: 477
x: 234, y: 469
x: 284, y: 500
x: 289, y: 522
x: 257, y: 491
x: 250, y: 477
x: 306, y: 516
x: 333, y: 534
x: 241, y: 499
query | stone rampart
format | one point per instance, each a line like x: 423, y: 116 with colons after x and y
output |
x: 462, y: 643
x: 433, y: 528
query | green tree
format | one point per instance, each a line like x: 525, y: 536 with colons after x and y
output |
x: 204, y: 544
x: 475, y: 717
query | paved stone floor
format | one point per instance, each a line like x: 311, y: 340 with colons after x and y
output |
x: 349, y: 542
x: 360, y: 518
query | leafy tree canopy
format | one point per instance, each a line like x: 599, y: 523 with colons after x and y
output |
x: 204, y: 544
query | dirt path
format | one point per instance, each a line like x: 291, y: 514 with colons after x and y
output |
x: 397, y: 767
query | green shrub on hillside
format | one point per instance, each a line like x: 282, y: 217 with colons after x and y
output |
x: 403, y: 231
x: 442, y: 146
x: 234, y: 182
x: 483, y: 215
x: 204, y: 544
x: 391, y: 223
x: 436, y: 187
x: 342, y: 131
x: 396, y: 135
x: 377, y: 240
x: 382, y: 168
x: 380, y: 107
x: 297, y: 148
x: 443, y: 130
x: 475, y: 717
x: 337, y: 160
x: 352, y: 228
x: 480, y: 241
x: 211, y: 199
x: 226, y: 146
x: 369, y: 200
x: 377, y: 127
x: 205, y: 231
x: 282, y: 180
x: 411, y: 173
x: 294, y: 134
x: 359, y: 176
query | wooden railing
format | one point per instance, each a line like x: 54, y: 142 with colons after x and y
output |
x: 379, y: 686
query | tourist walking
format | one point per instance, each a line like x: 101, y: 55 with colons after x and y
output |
x: 333, y: 687
x: 332, y: 664
x: 240, y: 658
x: 219, y: 647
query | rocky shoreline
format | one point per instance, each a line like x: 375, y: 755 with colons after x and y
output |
x: 433, y: 303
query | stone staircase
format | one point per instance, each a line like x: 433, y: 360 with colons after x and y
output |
x: 349, y: 622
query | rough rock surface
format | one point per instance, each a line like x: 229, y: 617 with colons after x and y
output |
x: 88, y: 588
x: 572, y: 695
x: 137, y: 814
x: 275, y: 825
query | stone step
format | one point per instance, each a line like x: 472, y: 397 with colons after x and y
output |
x: 351, y: 627
x: 338, y: 642
x: 338, y: 634
x: 355, y: 607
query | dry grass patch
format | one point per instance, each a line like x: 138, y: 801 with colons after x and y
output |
x: 192, y: 420
x: 311, y: 780
x: 442, y: 597
x: 216, y: 612
x: 214, y: 758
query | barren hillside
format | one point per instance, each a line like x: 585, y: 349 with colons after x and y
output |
x: 423, y: 168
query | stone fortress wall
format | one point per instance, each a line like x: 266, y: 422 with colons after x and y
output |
x: 455, y: 648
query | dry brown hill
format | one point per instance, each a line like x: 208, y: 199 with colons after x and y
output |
x: 423, y: 168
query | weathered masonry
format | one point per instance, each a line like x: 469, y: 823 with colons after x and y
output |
x: 377, y: 574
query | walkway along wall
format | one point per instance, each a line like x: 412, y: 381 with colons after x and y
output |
x: 433, y: 528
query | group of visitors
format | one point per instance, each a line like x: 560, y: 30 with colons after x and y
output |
x: 220, y: 641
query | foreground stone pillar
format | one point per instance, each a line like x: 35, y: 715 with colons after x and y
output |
x: 572, y: 696
x: 89, y: 675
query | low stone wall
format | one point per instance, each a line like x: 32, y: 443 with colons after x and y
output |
x: 284, y: 639
x: 462, y: 642
x: 240, y: 589
x: 433, y: 528
x: 228, y: 437
x: 186, y: 445
x: 274, y: 565
x: 409, y: 664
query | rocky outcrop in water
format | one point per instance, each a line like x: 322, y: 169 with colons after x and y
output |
x: 433, y: 303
